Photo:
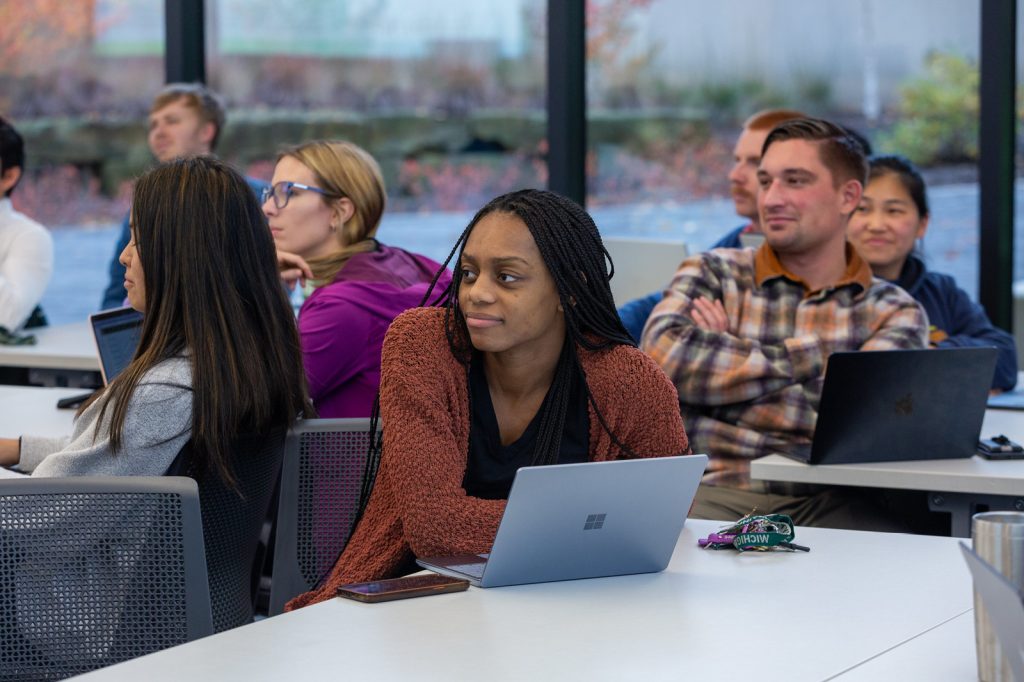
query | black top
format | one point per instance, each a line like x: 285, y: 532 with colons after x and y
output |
x: 491, y: 466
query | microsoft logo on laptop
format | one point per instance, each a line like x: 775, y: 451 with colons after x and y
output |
x: 594, y: 522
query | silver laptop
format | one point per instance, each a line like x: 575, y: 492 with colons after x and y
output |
x: 1004, y: 605
x: 116, y: 333
x: 571, y: 521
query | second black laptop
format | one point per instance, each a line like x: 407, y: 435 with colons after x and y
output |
x: 900, y: 405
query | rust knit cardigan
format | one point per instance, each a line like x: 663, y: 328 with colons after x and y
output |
x: 418, y: 506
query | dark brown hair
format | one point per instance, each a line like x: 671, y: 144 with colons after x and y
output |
x: 840, y: 152
x: 212, y: 296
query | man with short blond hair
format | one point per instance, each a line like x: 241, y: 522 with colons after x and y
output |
x: 745, y: 334
x: 205, y: 118
x: 185, y: 119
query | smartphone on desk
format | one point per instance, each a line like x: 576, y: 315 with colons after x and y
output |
x: 73, y: 402
x: 1000, y: 447
x: 402, y: 588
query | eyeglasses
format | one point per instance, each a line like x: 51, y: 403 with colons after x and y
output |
x: 283, y: 191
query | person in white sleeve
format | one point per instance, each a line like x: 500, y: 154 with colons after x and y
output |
x: 26, y: 249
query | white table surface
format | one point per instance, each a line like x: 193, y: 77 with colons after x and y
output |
x: 946, y: 652
x: 975, y: 475
x: 66, y: 346
x: 33, y: 410
x: 711, y: 616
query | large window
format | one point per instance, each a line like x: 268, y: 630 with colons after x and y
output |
x: 449, y: 97
x: 671, y: 81
x: 75, y: 78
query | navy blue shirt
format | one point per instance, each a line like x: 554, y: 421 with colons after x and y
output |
x: 956, y: 320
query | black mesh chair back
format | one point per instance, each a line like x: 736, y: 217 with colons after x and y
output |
x: 95, y: 571
x: 322, y: 477
x: 233, y: 519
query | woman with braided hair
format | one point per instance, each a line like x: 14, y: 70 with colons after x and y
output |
x: 525, y: 364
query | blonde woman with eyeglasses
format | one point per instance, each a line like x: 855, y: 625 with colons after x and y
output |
x: 324, y: 207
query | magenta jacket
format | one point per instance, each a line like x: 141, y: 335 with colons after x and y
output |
x: 342, y: 325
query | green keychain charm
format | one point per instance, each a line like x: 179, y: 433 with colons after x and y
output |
x: 753, y: 532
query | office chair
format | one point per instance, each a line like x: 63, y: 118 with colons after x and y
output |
x: 233, y: 520
x: 95, y: 571
x: 324, y: 469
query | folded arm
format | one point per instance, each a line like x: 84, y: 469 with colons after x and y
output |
x: 898, y: 323
x: 711, y: 367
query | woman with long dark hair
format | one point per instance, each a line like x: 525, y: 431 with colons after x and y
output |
x: 526, y: 364
x: 218, y: 355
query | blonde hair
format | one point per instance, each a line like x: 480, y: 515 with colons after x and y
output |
x: 344, y: 170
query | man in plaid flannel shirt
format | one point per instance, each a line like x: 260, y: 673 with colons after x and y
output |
x: 745, y: 334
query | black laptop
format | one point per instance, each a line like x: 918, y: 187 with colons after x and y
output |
x: 900, y: 405
x: 116, y: 333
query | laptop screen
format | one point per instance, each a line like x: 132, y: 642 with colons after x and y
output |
x: 117, y: 336
x: 896, y: 405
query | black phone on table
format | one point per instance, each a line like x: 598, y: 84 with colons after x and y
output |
x: 402, y: 588
x: 73, y: 402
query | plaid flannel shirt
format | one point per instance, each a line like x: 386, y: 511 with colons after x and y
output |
x: 755, y: 388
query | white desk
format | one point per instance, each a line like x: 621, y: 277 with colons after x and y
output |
x: 710, y: 616
x: 956, y: 485
x: 67, y: 346
x: 33, y: 410
x: 946, y: 652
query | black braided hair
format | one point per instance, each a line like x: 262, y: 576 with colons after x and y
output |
x: 571, y: 246
x: 579, y: 263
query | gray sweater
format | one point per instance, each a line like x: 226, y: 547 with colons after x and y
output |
x: 156, y: 427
